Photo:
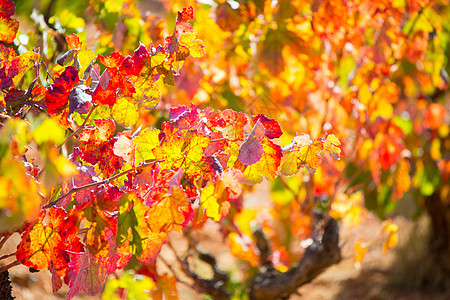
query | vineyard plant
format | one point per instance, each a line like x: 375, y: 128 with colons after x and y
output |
x: 124, y: 131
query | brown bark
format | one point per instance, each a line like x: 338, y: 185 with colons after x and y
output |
x: 270, y: 284
x: 5, y: 286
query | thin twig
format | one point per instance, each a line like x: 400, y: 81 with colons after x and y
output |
x: 76, y: 189
x: 79, y: 128
x: 7, y: 255
x: 4, y: 239
x: 219, y: 139
x: 13, y: 264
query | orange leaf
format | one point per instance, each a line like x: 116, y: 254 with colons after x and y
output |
x: 40, y: 246
x: 174, y: 211
x: 74, y: 42
x: 360, y: 251
x: 8, y: 26
x: 243, y: 248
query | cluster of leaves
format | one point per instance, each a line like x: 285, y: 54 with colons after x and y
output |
x: 375, y: 74
x: 118, y: 193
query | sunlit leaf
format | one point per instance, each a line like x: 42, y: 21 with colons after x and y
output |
x: 125, y: 111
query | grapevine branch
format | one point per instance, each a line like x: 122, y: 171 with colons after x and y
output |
x: 270, y: 284
x: 7, y: 255
x: 106, y: 181
x: 4, y: 239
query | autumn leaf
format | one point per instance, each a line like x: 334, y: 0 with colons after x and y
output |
x: 272, y: 128
x: 251, y: 150
x: 98, y: 134
x: 146, y: 141
x: 195, y: 45
x: 173, y: 211
x: 57, y: 97
x: 267, y: 166
x: 14, y: 67
x: 231, y: 124
x: 392, y: 236
x: 133, y: 228
x: 185, y: 15
x: 125, y: 111
x: 302, y: 152
x: 182, y: 151
x: 231, y: 179
x: 8, y: 26
x: 360, y: 250
x: 331, y: 145
x: 102, y: 156
x: 209, y: 198
x: 86, y: 273
x: 41, y: 245
x: 125, y: 148
x: 74, y: 42
x: 243, y: 248
x: 112, y: 61
x: 146, y: 94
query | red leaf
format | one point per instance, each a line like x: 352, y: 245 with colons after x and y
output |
x: 187, y: 14
x: 231, y: 124
x: 140, y: 59
x: 7, y: 8
x: 272, y: 127
x: 176, y: 112
x: 104, y: 96
x: 100, y: 134
x: 56, y: 279
x: 58, y: 93
x: 40, y: 245
x: 86, y: 274
x: 8, y: 26
x: 112, y: 61
x: 103, y: 156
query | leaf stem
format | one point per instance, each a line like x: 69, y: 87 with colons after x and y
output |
x: 76, y: 189
x: 79, y: 128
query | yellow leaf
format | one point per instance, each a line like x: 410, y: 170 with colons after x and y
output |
x: 194, y: 44
x: 145, y: 142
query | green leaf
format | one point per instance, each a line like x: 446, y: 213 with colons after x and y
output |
x: 131, y: 216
